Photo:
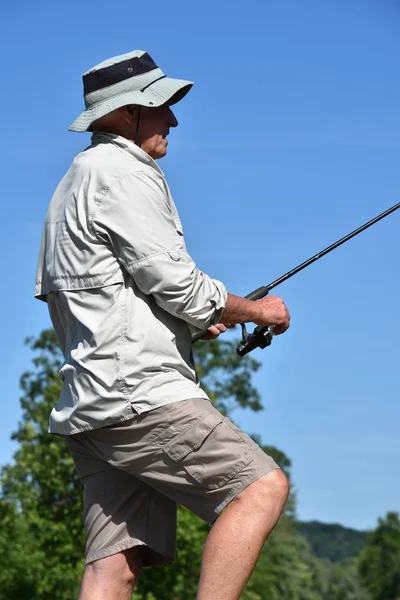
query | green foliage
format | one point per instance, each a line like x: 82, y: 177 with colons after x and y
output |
x: 379, y: 564
x: 41, y: 496
x: 286, y: 568
x: 19, y: 555
x: 334, y: 542
x: 343, y: 582
x: 225, y: 376
x: 42, y: 541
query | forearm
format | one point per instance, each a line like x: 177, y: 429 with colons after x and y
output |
x: 240, y: 310
x: 268, y: 311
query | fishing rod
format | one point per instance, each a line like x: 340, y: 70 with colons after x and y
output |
x: 262, y: 335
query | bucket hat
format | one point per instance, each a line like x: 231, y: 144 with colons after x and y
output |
x: 131, y: 78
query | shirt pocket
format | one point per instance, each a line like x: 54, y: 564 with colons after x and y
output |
x: 212, y: 451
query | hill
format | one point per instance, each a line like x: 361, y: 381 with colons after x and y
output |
x: 331, y: 541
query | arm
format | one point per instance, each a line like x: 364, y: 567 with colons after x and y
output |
x: 269, y: 311
x: 136, y: 218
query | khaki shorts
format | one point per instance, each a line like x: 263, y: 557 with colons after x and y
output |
x: 136, y: 472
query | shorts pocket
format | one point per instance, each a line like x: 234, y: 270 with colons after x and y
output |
x: 212, y: 451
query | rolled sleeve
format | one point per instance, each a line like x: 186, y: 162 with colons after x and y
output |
x: 137, y: 218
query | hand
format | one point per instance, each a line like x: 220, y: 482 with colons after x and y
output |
x: 273, y: 311
x: 214, y: 331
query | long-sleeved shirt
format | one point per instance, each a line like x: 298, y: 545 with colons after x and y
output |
x: 124, y: 295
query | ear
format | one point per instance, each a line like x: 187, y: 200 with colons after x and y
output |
x: 129, y: 112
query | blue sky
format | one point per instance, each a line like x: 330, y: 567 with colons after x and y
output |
x: 288, y: 140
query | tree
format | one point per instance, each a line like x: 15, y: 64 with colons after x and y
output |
x: 226, y: 377
x: 41, y: 496
x: 19, y: 555
x: 41, y: 539
x: 41, y: 489
x: 343, y: 582
x: 379, y: 564
x: 333, y: 542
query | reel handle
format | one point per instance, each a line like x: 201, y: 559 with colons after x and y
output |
x: 260, y: 338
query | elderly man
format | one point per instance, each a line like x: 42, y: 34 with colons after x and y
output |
x: 125, y: 297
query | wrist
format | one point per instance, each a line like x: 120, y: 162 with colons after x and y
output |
x: 240, y: 310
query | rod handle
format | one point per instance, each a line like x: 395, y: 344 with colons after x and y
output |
x: 258, y: 293
x: 254, y: 295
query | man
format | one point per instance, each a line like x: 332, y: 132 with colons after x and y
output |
x: 125, y: 297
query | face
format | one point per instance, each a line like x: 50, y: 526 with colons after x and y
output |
x: 154, y: 126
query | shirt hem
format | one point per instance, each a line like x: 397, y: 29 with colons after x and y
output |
x: 134, y: 408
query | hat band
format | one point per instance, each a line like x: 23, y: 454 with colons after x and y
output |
x: 101, y: 78
x: 133, y: 84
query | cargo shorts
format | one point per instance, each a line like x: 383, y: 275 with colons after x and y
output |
x: 135, y: 473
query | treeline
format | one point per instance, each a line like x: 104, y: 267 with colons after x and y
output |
x: 41, y: 535
x: 333, y: 542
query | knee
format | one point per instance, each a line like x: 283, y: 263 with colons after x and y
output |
x: 123, y: 567
x: 271, y: 487
x: 280, y: 484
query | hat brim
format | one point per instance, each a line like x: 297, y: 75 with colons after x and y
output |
x: 163, y: 91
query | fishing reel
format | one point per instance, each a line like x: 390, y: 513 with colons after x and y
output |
x: 260, y: 338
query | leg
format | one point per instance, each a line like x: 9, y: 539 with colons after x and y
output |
x: 236, y: 540
x: 113, y: 577
x: 127, y: 524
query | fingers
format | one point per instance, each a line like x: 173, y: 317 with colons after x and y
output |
x: 283, y: 326
x: 214, y: 331
x: 274, y: 313
x: 279, y: 329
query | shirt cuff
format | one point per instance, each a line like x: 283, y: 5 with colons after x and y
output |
x: 180, y: 288
x: 220, y: 302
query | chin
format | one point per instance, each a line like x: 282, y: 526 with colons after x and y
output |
x: 158, y: 153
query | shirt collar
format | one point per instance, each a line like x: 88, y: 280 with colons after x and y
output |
x: 99, y: 137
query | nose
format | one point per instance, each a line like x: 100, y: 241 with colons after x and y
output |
x: 172, y: 120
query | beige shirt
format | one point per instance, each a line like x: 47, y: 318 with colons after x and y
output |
x: 123, y: 293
